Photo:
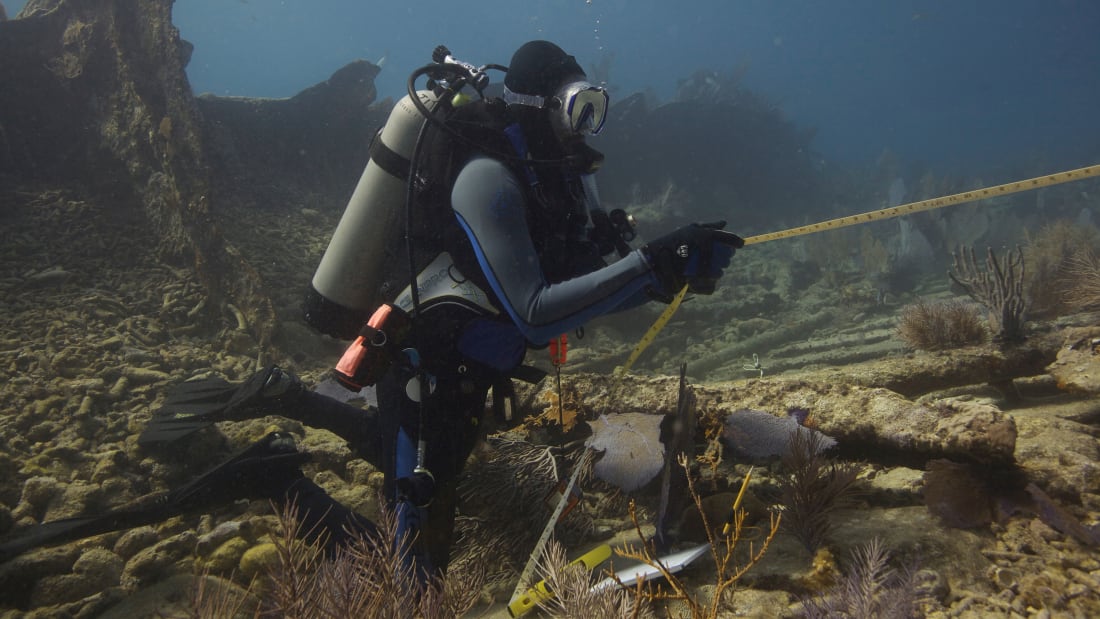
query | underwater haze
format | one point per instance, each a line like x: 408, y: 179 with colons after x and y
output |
x: 961, y: 86
x: 903, y: 357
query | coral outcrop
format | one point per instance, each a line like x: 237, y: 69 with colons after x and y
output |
x: 96, y: 96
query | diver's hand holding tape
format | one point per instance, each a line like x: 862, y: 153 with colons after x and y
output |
x: 694, y: 255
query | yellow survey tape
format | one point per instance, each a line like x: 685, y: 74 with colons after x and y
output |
x: 887, y: 213
x: 651, y: 335
x: 933, y: 203
x: 540, y: 592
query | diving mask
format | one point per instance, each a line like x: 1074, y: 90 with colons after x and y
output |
x: 578, y: 107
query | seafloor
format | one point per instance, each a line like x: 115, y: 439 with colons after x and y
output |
x: 94, y: 329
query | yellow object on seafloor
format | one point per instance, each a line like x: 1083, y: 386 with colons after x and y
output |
x: 540, y: 592
x: 731, y: 524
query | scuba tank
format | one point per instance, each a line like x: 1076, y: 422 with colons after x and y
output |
x: 350, y: 281
x: 345, y: 288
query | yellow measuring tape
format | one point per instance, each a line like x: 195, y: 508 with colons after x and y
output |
x: 863, y: 218
x: 651, y: 335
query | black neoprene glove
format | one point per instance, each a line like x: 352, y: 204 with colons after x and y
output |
x: 694, y: 255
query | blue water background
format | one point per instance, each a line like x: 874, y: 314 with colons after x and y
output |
x: 963, y: 86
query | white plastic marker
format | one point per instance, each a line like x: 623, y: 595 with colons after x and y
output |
x: 642, y: 571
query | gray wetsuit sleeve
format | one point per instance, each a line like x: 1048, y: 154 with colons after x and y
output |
x: 489, y: 203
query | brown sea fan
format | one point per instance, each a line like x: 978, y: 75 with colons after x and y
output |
x: 1054, y: 277
x: 870, y: 589
x: 940, y: 325
x: 814, y: 487
x: 1083, y: 270
x: 370, y: 578
x: 576, y: 598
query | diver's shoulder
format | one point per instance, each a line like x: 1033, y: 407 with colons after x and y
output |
x: 486, y: 166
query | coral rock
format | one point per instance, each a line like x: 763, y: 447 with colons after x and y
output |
x: 1077, y: 368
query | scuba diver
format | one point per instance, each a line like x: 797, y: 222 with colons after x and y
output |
x: 474, y: 233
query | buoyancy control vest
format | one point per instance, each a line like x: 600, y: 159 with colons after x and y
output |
x: 555, y: 199
x: 351, y: 282
x: 434, y: 231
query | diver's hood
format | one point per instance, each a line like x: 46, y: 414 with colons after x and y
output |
x: 544, y: 144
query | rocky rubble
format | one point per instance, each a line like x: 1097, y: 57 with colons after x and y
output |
x: 86, y: 357
x: 99, y: 314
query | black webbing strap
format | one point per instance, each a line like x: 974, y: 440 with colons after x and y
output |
x: 528, y: 374
x: 389, y: 160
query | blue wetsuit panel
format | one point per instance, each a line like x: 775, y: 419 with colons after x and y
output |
x: 494, y: 343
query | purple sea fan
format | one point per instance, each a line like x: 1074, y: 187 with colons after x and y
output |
x: 633, y: 453
x: 756, y: 434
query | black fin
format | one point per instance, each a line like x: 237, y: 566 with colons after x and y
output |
x: 71, y: 529
x: 188, y: 408
x: 171, y: 430
x: 193, y: 405
x: 259, y: 470
x: 209, y: 390
x: 267, y: 466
